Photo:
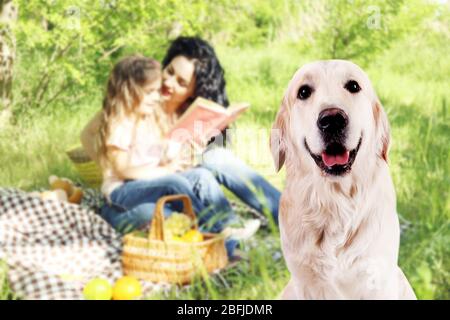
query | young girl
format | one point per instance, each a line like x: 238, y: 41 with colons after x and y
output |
x: 132, y: 153
x: 131, y: 126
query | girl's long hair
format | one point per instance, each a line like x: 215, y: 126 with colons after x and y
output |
x: 124, y: 94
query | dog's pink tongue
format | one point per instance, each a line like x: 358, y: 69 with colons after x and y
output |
x: 331, y: 160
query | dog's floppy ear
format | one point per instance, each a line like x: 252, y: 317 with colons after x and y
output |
x: 278, y: 135
x: 382, y: 129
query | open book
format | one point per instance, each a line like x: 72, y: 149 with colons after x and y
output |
x: 204, y: 119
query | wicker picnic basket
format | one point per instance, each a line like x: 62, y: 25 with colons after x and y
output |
x: 157, y: 260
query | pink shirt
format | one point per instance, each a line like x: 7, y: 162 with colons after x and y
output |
x: 143, y: 143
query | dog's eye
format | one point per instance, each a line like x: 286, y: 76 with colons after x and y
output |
x: 352, y: 86
x: 304, y: 92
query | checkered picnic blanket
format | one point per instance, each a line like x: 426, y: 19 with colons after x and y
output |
x: 53, y: 248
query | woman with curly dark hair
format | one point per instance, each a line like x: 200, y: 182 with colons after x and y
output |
x: 208, y: 79
x: 192, y: 69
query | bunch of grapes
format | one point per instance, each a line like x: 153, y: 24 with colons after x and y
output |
x: 177, y: 225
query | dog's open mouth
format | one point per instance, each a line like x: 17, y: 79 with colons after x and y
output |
x: 335, y: 160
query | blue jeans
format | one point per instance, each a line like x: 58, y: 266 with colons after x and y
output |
x: 133, y: 203
x: 244, y: 182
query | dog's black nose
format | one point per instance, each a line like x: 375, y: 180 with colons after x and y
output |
x: 332, y: 120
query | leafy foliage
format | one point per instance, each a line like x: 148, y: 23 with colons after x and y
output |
x: 359, y: 30
x: 66, y: 50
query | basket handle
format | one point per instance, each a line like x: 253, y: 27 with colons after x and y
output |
x: 157, y: 225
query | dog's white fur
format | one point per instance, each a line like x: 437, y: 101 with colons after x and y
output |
x: 340, y: 235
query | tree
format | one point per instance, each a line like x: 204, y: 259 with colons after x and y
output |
x: 8, y: 15
x: 359, y: 30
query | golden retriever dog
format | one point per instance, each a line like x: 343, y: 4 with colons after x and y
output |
x: 339, y: 228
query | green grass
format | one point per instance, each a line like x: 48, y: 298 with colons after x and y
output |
x: 5, y: 292
x: 414, y: 89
